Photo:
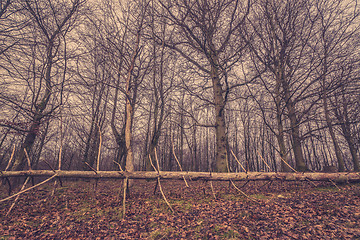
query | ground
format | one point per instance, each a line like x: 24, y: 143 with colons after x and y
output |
x: 272, y: 210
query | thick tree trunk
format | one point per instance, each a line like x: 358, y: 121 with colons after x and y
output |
x: 296, y: 144
x: 129, y: 108
x: 221, y: 156
x: 29, y: 141
x: 280, y: 138
x: 207, y: 176
x: 295, y: 129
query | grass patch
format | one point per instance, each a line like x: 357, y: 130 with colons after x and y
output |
x: 233, y: 197
x: 35, y: 223
x: 162, y: 233
x: 182, y: 205
x: 6, y: 237
x: 260, y: 196
x: 226, y: 232
x: 327, y: 189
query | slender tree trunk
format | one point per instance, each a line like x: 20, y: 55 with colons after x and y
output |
x: 351, y: 143
x: 340, y: 160
x: 129, y: 164
x: 119, y: 136
x: 344, y: 120
x: 182, y: 131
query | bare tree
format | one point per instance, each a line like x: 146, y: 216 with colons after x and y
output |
x: 345, y: 106
x: 204, y: 33
x: 279, y: 35
x: 338, y: 24
x: 44, y: 36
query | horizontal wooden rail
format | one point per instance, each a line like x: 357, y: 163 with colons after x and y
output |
x: 241, y: 176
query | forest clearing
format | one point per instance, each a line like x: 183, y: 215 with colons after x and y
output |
x: 276, y: 210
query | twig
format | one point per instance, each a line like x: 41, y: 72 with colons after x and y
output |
x: 11, y: 158
x: 46, y: 162
x: 157, y: 160
x: 90, y: 167
x: 212, y: 190
x: 99, y: 151
x: 28, y: 159
x: 124, y: 196
x: 334, y: 184
x: 296, y: 171
x: 288, y: 164
x: 156, y: 170
x: 61, y: 141
x: 239, y: 190
x: 177, y: 160
x: 156, y: 184
x: 54, y: 189
x: 238, y: 161
x: 17, y: 197
x: 245, y: 183
x: 14, y: 195
x: 264, y: 161
x: 60, y: 152
x: 266, y: 183
x: 9, y: 183
x: 118, y: 165
x: 310, y: 182
x: 162, y: 193
x: 158, y: 179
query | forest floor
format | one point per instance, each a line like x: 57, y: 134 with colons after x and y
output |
x: 276, y: 210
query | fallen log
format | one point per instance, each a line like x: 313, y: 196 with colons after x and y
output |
x: 206, y: 176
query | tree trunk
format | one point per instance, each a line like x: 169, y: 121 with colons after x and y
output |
x: 344, y: 120
x: 296, y: 144
x: 194, y: 176
x: 38, y: 115
x: 351, y: 143
x: 280, y: 138
x: 221, y: 156
x: 295, y: 129
x: 20, y: 160
x: 340, y: 160
x: 129, y: 163
x: 119, y: 136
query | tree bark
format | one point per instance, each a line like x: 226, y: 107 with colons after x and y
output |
x: 221, y: 156
x: 351, y: 143
x: 280, y: 134
x: 194, y: 176
x: 295, y: 128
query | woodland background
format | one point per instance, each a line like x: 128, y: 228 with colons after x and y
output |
x: 273, y: 81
